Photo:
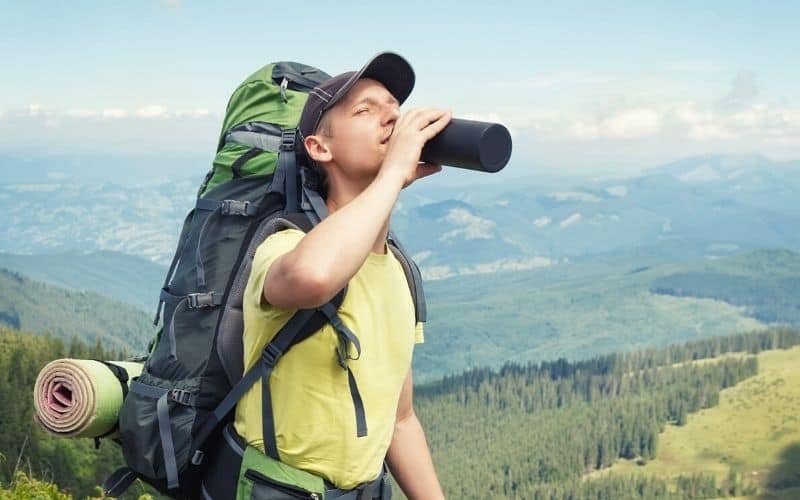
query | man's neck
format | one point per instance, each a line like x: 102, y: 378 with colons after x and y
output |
x: 341, y: 193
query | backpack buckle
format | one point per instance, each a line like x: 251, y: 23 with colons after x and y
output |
x: 234, y: 207
x: 181, y: 396
x: 271, y: 354
x: 198, y: 300
x: 287, y: 139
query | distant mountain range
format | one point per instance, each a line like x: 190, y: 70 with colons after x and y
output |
x: 711, y: 205
x: 587, y: 308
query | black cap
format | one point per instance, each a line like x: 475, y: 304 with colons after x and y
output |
x: 390, y: 69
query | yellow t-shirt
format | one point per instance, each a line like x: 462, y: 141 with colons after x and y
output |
x: 315, y: 423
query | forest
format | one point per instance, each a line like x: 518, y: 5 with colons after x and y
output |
x: 523, y: 431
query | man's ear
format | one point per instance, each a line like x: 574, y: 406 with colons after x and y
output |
x: 317, y: 149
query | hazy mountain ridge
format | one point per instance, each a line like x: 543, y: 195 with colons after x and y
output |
x: 131, y: 279
x: 708, y: 205
x: 591, y: 306
x: 32, y: 306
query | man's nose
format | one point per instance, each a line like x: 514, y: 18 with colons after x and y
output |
x: 392, y: 114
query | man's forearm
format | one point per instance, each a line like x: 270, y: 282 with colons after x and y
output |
x: 410, y: 461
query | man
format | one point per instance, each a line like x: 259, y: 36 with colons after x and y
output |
x: 352, y: 129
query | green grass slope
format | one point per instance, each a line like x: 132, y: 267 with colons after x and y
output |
x: 755, y: 431
x: 601, y: 305
x: 37, y: 307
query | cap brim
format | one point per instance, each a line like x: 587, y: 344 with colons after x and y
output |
x: 388, y: 68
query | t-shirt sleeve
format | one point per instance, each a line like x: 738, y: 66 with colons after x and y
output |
x: 419, y: 333
x: 273, y: 247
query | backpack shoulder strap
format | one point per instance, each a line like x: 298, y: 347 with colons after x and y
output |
x: 413, y: 277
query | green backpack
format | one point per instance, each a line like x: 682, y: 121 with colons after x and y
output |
x: 172, y: 419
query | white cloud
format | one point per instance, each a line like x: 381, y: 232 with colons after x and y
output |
x: 509, y: 264
x: 34, y: 110
x: 633, y: 124
x: 114, y: 113
x: 152, y: 111
x: 436, y: 272
x: 421, y: 256
x: 81, y: 113
x: 572, y: 219
x: 584, y: 130
x: 542, y: 221
x: 709, y: 132
x: 575, y: 196
x: 471, y: 227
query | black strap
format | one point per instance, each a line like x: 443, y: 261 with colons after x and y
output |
x: 118, y: 482
x: 413, y: 277
x: 358, y: 405
x: 272, y: 352
x: 312, y: 204
x: 376, y: 489
x: 237, y: 165
x: 162, y: 396
x: 287, y: 162
x: 120, y: 373
x: 195, y: 300
x: 181, y: 242
x: 228, y: 207
x: 347, y: 338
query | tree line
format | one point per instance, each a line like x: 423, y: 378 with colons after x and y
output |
x: 535, y: 430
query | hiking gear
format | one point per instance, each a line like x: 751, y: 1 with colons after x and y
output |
x: 240, y: 471
x: 82, y: 397
x: 394, y: 72
x: 171, y: 420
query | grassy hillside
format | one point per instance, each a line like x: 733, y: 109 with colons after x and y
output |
x: 755, y: 431
x: 124, y: 277
x: 37, y: 307
x: 574, y: 311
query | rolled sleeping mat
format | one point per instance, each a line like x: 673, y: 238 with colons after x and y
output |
x: 82, y: 397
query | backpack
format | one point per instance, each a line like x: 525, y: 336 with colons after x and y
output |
x: 172, y: 418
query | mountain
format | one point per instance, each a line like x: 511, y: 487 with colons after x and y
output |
x: 709, y: 205
x: 589, y: 307
x: 704, y: 205
x: 127, y: 278
x: 37, y: 307
x: 600, y: 305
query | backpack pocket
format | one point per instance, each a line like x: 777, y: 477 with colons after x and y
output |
x: 156, y: 422
x: 263, y: 478
x: 263, y: 488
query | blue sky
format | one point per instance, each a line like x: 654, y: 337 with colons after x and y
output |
x: 583, y: 86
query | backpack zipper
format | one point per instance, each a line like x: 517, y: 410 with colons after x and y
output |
x: 289, y: 489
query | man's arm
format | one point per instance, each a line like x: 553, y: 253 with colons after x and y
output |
x: 333, y: 251
x: 409, y: 458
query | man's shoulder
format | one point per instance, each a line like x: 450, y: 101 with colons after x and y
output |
x: 283, y: 237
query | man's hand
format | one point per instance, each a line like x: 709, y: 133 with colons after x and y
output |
x: 410, y: 134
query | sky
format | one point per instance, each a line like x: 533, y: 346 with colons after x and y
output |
x: 582, y: 86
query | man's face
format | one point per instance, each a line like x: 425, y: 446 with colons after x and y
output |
x: 359, y: 128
